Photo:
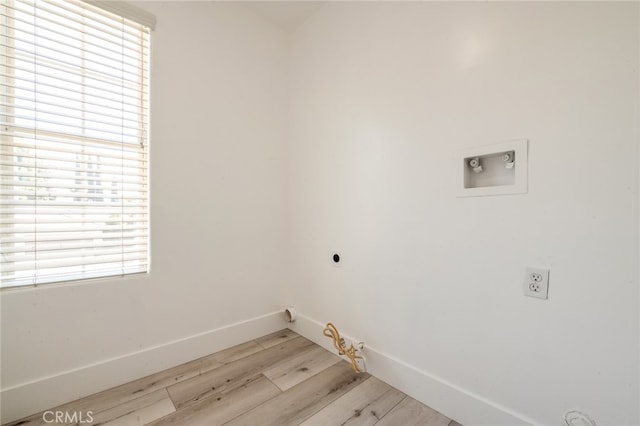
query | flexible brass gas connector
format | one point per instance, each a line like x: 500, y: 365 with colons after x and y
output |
x: 338, y: 342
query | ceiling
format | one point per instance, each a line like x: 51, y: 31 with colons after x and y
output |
x: 287, y: 15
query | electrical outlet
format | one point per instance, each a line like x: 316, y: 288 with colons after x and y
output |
x: 536, y: 283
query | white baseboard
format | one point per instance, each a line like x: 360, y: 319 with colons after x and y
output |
x: 28, y: 398
x: 454, y: 402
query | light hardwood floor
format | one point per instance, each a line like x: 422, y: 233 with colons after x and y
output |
x: 280, y: 379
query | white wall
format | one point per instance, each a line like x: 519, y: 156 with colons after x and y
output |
x: 382, y: 98
x: 217, y: 203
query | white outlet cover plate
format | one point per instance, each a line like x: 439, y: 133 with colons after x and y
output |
x: 536, y: 283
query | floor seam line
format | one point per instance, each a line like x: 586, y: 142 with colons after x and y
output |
x: 392, y: 408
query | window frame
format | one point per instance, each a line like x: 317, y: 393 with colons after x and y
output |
x: 8, y: 145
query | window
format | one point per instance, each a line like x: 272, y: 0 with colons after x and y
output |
x: 74, y: 117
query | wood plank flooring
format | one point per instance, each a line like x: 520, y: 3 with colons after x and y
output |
x: 280, y: 379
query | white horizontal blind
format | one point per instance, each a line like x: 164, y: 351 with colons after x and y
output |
x: 126, y: 10
x: 73, y: 159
